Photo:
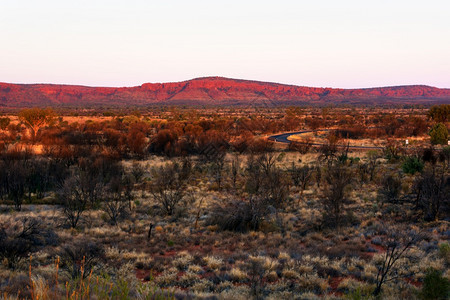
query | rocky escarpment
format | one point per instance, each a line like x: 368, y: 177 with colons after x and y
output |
x: 212, y: 91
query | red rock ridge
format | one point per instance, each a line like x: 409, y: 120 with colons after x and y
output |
x: 212, y: 90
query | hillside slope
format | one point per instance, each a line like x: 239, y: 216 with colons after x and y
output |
x: 212, y: 91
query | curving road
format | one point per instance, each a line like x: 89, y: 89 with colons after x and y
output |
x: 283, y: 138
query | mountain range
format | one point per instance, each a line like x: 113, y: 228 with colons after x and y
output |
x: 213, y: 91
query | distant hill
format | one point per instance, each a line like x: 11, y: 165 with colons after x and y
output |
x: 212, y: 91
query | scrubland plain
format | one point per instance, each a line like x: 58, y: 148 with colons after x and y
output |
x: 165, y: 203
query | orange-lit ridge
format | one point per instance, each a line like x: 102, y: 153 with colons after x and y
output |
x: 212, y: 90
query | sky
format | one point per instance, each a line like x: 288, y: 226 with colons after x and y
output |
x: 323, y: 43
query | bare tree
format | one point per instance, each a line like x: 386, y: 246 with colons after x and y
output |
x: 302, y: 146
x: 239, y: 214
x: 235, y: 170
x: 432, y: 189
x: 17, y: 176
x: 137, y: 171
x: 115, y: 201
x: 397, y: 242
x: 265, y: 180
x: 334, y: 197
x: 217, y: 166
x: 328, y: 150
x: 266, y: 162
x: 168, y: 187
x: 301, y: 176
x: 73, y: 199
x: 81, y: 257
x: 20, y: 237
x: 128, y: 183
x: 393, y: 150
x: 390, y: 188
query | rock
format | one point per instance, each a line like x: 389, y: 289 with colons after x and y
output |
x: 204, y: 90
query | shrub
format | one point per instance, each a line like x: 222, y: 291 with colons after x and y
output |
x: 412, y: 165
x: 444, y: 252
x: 439, y: 134
x: 390, y: 189
x: 266, y: 181
x: 21, y: 237
x: 116, y: 201
x: 238, y: 215
x: 4, y: 122
x: 81, y: 257
x: 440, y: 113
x: 392, y: 150
x: 301, y: 177
x: 435, y: 286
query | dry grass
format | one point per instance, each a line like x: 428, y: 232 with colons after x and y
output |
x: 204, y: 261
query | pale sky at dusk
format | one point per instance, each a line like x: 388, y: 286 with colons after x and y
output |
x: 329, y: 43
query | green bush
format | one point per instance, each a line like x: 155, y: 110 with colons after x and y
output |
x: 444, y: 252
x: 439, y: 134
x: 435, y: 286
x: 440, y: 113
x: 412, y: 165
x: 358, y: 294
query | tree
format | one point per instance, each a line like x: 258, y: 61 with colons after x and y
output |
x: 266, y: 180
x: 372, y: 163
x: 439, y: 134
x: 235, y: 170
x: 128, y: 182
x: 390, y: 189
x: 80, y: 258
x: 168, y: 187
x: 4, y: 122
x: 15, y: 181
x: 115, y: 202
x: 392, y: 150
x: 302, y: 146
x: 301, y: 176
x: 217, y: 166
x: 20, y: 237
x: 444, y: 157
x: 136, y: 140
x: 137, y: 171
x: 329, y: 148
x: 93, y: 174
x: 440, y: 113
x: 36, y: 118
x: 334, y: 197
x: 74, y: 199
x: 432, y: 190
x: 397, y: 242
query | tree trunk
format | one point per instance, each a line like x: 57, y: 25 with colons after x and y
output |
x: 149, y: 235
